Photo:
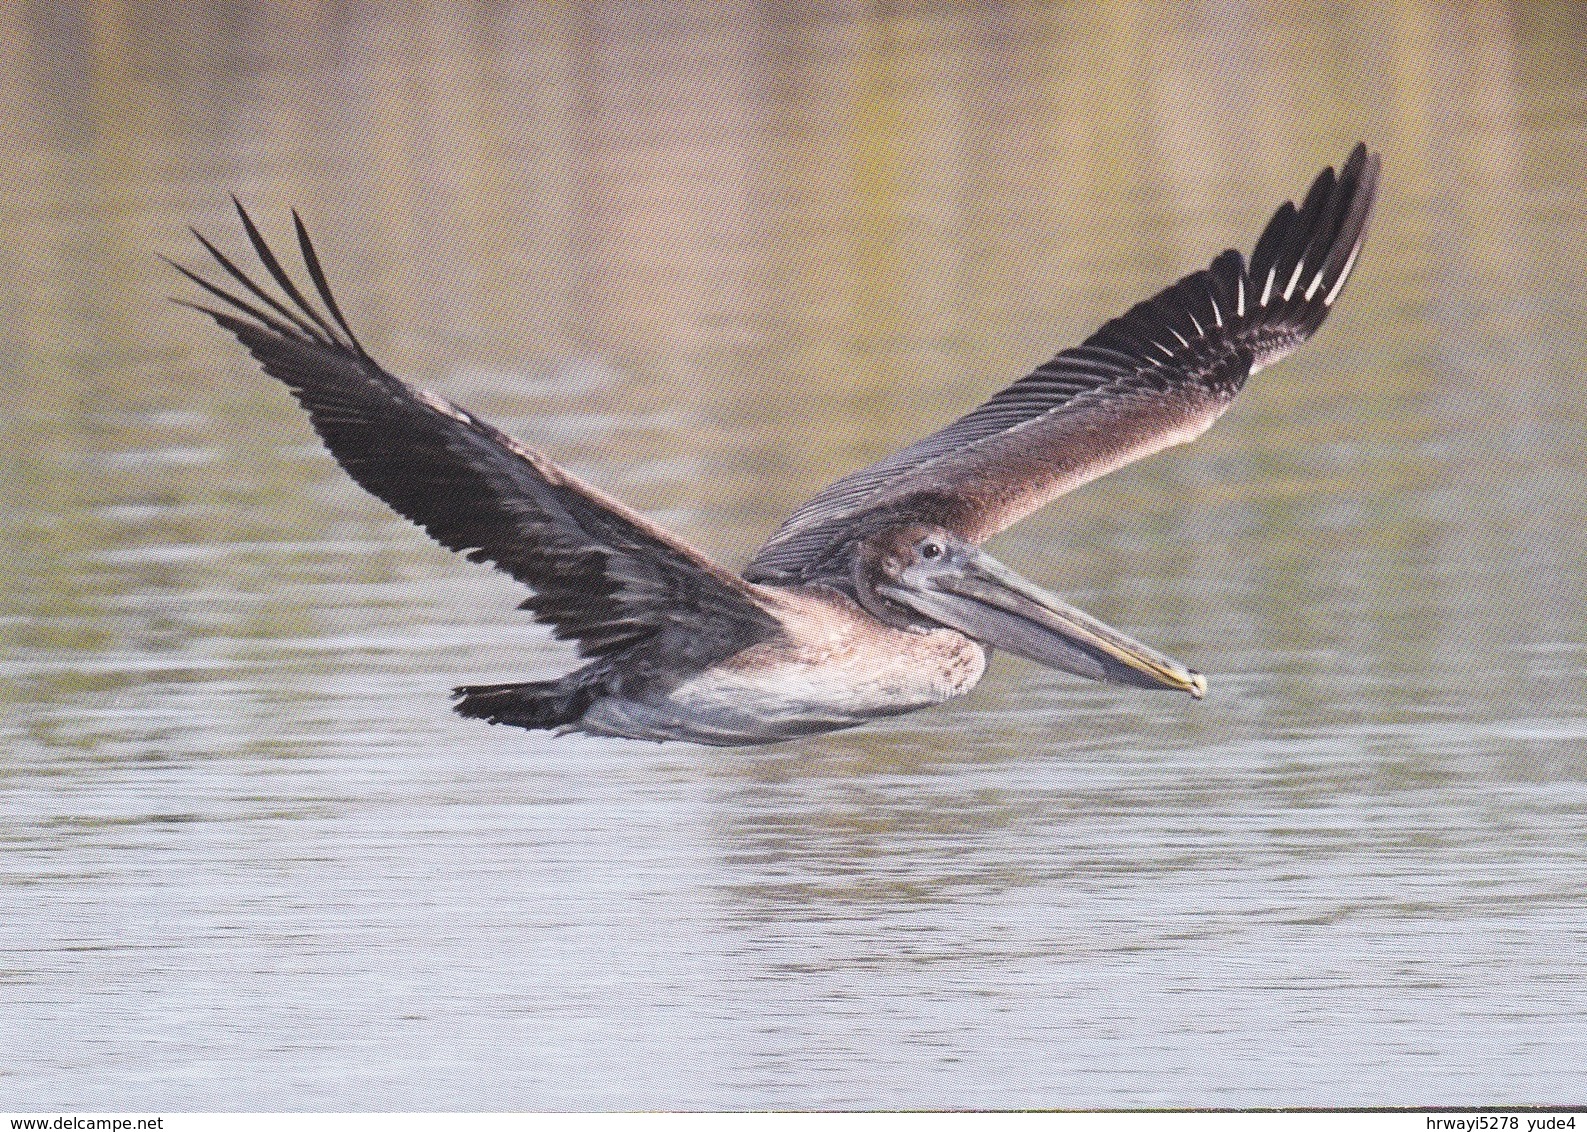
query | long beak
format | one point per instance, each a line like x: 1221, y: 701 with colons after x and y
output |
x: 986, y: 600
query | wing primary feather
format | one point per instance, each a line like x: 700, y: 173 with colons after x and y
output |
x: 280, y: 328
x: 1269, y: 247
x: 253, y: 288
x: 317, y: 274
x: 283, y: 280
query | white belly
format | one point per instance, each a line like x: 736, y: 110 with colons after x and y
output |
x: 836, y: 672
x: 843, y: 688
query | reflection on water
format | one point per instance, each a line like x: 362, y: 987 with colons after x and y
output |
x: 712, y: 258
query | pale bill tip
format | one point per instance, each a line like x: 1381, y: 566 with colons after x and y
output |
x: 1198, y: 685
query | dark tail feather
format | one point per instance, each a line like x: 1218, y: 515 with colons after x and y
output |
x: 538, y: 705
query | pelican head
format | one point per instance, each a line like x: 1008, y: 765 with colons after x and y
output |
x: 920, y: 571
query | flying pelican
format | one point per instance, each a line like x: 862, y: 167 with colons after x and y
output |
x: 873, y: 598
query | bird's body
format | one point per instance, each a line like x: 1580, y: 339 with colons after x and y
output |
x: 873, y: 598
x: 831, y: 665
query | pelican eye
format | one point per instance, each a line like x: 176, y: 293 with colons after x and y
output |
x: 930, y: 550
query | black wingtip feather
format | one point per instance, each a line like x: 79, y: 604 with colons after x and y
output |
x: 305, y: 324
x: 219, y: 316
x: 317, y: 273
x: 283, y: 280
x: 1305, y: 256
x: 231, y: 300
x: 1304, y: 251
x: 253, y: 288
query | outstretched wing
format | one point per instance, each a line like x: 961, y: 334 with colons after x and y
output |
x: 1158, y: 376
x: 602, y: 574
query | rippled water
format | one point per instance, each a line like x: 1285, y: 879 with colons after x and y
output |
x: 712, y: 259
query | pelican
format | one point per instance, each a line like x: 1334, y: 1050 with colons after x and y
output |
x: 872, y: 599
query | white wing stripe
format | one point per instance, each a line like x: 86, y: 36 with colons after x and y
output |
x: 1290, y: 290
x: 1333, y: 292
